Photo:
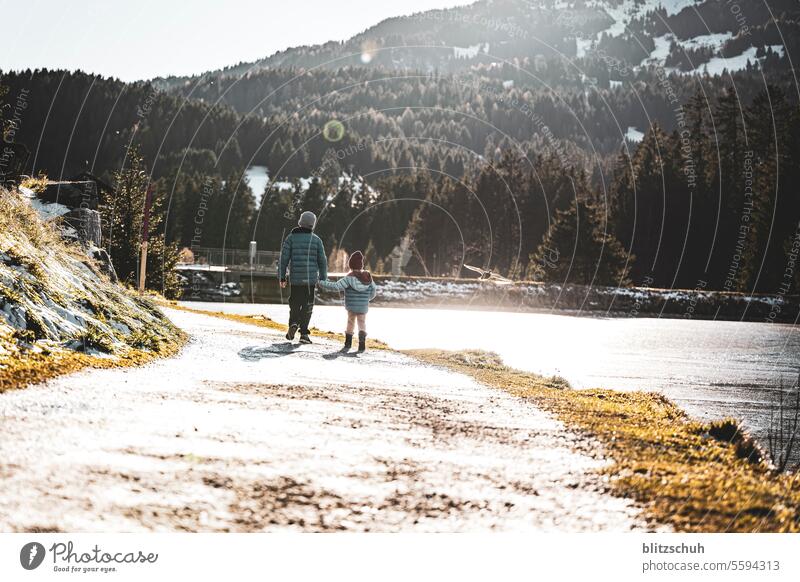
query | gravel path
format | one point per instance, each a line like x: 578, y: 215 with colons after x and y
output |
x: 245, y: 432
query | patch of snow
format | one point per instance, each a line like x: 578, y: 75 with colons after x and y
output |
x: 615, y: 84
x: 470, y: 52
x: 777, y: 48
x: 618, y: 14
x: 714, y: 41
x: 582, y: 45
x: 46, y: 210
x: 285, y: 185
x: 673, y: 7
x: 719, y: 64
x: 628, y: 10
x: 634, y: 134
x: 257, y: 178
x: 661, y: 51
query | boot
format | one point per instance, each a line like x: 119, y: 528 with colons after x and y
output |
x: 291, y: 332
x: 348, y: 341
x: 362, y: 341
x: 304, y: 339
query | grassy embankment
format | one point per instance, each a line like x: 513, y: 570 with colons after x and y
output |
x: 59, y: 313
x: 693, y: 476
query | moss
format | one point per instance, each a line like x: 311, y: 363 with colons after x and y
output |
x: 37, y: 325
x: 9, y: 295
x: 143, y: 340
x: 94, y: 338
x: 35, y: 269
x: 693, y: 476
x: 27, y: 336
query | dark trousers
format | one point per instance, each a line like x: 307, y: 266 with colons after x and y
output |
x: 301, y: 304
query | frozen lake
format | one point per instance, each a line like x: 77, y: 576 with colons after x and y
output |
x: 713, y: 369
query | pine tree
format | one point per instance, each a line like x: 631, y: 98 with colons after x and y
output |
x: 123, y: 216
x: 578, y: 249
x: 638, y: 204
x: 763, y: 256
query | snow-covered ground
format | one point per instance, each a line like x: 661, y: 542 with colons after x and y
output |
x: 714, y: 369
x: 46, y: 210
x: 715, y: 41
x: 717, y: 65
x: 627, y: 10
x: 244, y: 431
x: 661, y: 51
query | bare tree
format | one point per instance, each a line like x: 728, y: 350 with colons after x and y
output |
x: 784, y: 424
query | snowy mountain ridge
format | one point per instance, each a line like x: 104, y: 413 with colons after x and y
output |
x: 490, y: 32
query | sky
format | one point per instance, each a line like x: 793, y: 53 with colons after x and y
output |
x: 142, y: 39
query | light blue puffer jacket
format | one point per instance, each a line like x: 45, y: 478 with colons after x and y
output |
x: 304, y: 255
x: 357, y: 295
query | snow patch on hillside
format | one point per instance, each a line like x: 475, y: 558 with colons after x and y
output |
x: 470, y: 52
x: 52, y: 296
x: 627, y: 10
x: 777, y: 48
x: 258, y: 179
x: 46, y: 210
x: 715, y: 41
x: 717, y: 65
x: 634, y: 135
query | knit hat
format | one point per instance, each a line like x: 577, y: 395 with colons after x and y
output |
x: 356, y: 262
x: 307, y: 220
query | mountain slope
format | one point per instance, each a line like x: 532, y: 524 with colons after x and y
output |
x: 489, y: 32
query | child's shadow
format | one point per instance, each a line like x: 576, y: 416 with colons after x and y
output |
x: 343, y: 353
x: 256, y: 353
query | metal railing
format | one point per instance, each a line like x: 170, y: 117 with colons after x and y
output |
x: 237, y: 259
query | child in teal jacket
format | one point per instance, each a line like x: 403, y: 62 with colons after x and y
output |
x: 359, y: 289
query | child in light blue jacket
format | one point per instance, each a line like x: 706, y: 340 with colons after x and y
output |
x: 359, y: 289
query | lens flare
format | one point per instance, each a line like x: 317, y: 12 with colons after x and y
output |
x: 368, y: 50
x: 333, y: 130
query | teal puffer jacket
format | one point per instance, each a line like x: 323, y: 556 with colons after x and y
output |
x: 304, y: 255
x: 357, y: 295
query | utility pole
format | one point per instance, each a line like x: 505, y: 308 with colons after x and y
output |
x: 253, y: 251
x: 148, y: 200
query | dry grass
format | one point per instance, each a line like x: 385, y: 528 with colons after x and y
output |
x: 36, y: 183
x: 685, y: 473
x: 42, y: 276
x: 33, y: 368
